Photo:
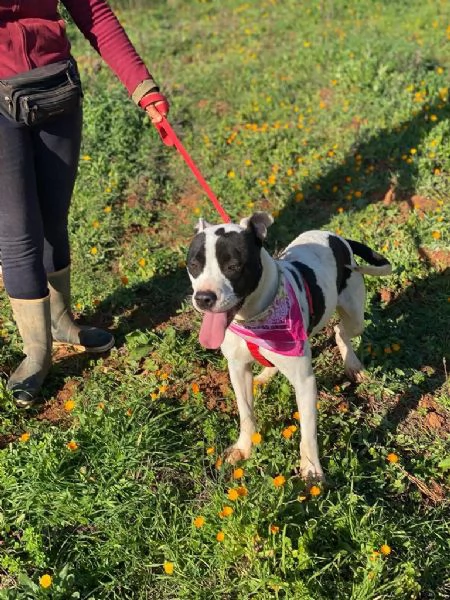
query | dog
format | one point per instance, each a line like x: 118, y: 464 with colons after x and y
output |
x: 256, y: 307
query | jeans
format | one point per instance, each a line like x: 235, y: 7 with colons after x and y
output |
x: 38, y: 167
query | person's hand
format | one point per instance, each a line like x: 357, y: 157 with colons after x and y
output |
x: 156, y: 106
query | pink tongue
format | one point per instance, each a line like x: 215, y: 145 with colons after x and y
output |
x: 213, y: 329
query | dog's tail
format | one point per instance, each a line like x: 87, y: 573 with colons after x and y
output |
x: 378, y: 265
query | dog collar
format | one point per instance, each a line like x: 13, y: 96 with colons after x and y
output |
x: 280, y: 328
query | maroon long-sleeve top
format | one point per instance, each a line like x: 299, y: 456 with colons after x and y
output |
x: 33, y: 34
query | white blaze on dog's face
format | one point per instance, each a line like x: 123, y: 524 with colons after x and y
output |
x: 224, y: 265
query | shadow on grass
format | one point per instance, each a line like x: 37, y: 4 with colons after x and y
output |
x: 379, y: 168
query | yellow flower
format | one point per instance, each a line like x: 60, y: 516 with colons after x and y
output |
x: 86, y: 157
x: 279, y: 480
x: 220, y: 536
x: 24, y: 437
x: 195, y: 388
x: 168, y: 567
x: 69, y: 405
x: 274, y: 529
x: 95, y: 224
x: 392, y: 457
x: 238, y: 473
x: 107, y: 209
x: 287, y: 433
x: 395, y: 347
x: 45, y: 581
x: 242, y: 491
x: 232, y: 494
x: 315, y: 490
x: 101, y: 405
x: 299, y: 197
x: 256, y: 438
x: 199, y: 522
x: 433, y: 117
x: 94, y: 250
x: 226, y: 511
x: 301, y: 498
x: 436, y: 235
x: 210, y: 450
x: 413, y: 151
x: 72, y: 445
x: 385, y: 549
x: 340, y: 210
x: 141, y: 262
x: 231, y: 174
x: 219, y: 463
x: 296, y: 415
x: 248, y: 162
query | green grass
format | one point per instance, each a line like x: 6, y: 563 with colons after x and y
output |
x: 330, y: 115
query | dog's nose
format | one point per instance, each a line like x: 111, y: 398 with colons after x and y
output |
x: 205, y: 300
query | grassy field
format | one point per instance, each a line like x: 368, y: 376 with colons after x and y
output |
x: 328, y: 114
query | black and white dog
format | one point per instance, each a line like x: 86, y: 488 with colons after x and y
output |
x: 258, y: 307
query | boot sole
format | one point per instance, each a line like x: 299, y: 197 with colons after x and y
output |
x: 81, y: 348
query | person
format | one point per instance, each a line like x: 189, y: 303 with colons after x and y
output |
x: 38, y: 165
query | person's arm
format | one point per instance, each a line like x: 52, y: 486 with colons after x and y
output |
x: 100, y: 26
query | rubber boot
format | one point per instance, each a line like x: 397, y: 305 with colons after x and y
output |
x: 64, y: 329
x: 33, y: 322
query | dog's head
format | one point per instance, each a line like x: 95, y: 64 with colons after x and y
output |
x: 224, y: 265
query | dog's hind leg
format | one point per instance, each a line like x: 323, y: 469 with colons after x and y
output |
x: 265, y: 376
x: 350, y: 308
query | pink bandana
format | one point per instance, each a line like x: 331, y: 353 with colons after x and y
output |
x: 279, y: 328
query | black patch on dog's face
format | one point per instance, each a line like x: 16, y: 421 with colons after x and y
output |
x: 317, y: 297
x: 239, y: 257
x: 196, y: 258
x: 342, y: 257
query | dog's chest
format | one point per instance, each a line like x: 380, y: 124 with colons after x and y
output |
x: 282, y: 326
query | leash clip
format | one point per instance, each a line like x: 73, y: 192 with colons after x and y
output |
x: 164, y: 133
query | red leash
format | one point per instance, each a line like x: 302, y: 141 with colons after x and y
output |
x: 170, y: 138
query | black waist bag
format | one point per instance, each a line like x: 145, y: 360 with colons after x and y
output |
x: 42, y: 93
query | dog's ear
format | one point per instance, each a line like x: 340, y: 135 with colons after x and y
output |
x: 259, y: 222
x: 201, y: 225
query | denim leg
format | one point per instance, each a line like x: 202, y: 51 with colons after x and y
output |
x: 57, y: 150
x: 21, y: 226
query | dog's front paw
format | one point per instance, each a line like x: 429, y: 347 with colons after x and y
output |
x: 234, y: 454
x: 311, y: 472
x: 354, y: 370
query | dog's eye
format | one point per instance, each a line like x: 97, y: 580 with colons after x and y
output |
x: 194, y: 268
x: 233, y: 267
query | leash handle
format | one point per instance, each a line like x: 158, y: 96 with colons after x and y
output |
x: 170, y: 138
